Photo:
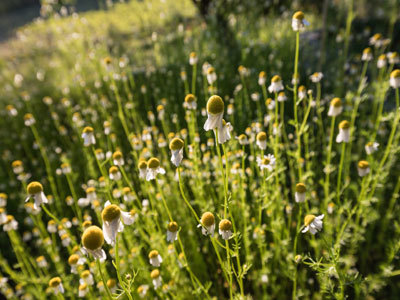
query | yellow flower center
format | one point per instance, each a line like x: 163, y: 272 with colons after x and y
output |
x: 225, y: 225
x: 110, y: 213
x: 308, y: 219
x: 215, y: 105
x: 276, y: 79
x: 208, y: 219
x: 93, y: 238
x: 336, y: 102
x: 87, y: 129
x: 173, y: 227
x: 190, y: 98
x: 155, y: 274
x: 34, y: 188
x: 300, y: 188
x: 363, y: 164
x: 395, y: 74
x: 55, y: 282
x: 153, y: 254
x: 299, y: 15
x: 344, y: 125
x: 73, y: 259
x: 176, y: 144
x: 153, y: 163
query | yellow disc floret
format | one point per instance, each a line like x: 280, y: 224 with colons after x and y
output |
x: 308, y: 219
x: 93, y: 238
x: 34, y: 187
x: 225, y: 225
x: 215, y: 105
x: 110, y: 213
x: 300, y: 188
x: 207, y: 219
x: 176, y: 144
x: 153, y: 163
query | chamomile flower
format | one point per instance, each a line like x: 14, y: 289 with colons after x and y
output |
x: 376, y: 40
x: 316, y: 77
x: 172, y: 232
x: 276, y: 84
x: 215, y: 113
x: 56, y: 285
x: 88, y: 136
x: 142, y: 169
x: 302, y: 91
x: 363, y: 168
x: 153, y: 168
x: 3, y: 199
x: 112, y: 224
x: 312, y: 223
x: 10, y: 224
x: 42, y: 262
x: 3, y: 216
x: 262, y: 78
x: 156, y: 278
x: 17, y: 167
x: 142, y: 290
x: 335, y: 108
x: 74, y: 261
x: 224, y: 132
x: 267, y: 162
x: 190, y: 102
x: 393, y: 58
x: 207, y: 224
x: 92, y: 241
x: 243, y: 140
x: 298, y: 21
x: 114, y: 173
x: 211, y: 75
x: 83, y: 289
x: 300, y: 194
x: 344, y: 132
x: 395, y: 79
x: 112, y: 285
x: 381, y: 63
x: 270, y: 103
x: 86, y: 277
x: 35, y: 191
x: 176, y: 147
x: 371, y: 147
x: 281, y: 97
x: 155, y: 258
x: 261, y: 140
x: 225, y: 229
x: 118, y: 159
x: 193, y: 58
x: 29, y: 120
x: 367, y: 54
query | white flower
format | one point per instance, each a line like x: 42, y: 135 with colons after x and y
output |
x: 267, y: 162
x: 316, y: 77
x: 10, y: 224
x: 276, y: 84
x: 112, y: 224
x: 3, y: 200
x: 371, y: 147
x: 224, y: 132
x: 211, y: 75
x: 153, y: 168
x: 215, y: 113
x: 363, y: 168
x: 88, y: 136
x: 193, y: 59
x: 344, y: 132
x: 83, y: 290
x: 381, y: 63
x: 313, y: 223
x: 155, y: 258
x: 156, y: 278
x: 261, y: 140
x: 142, y: 290
x: 262, y: 78
x: 225, y: 229
x: 56, y: 285
x: 394, y: 80
x: 86, y: 277
x: 300, y: 194
x: 35, y: 191
x: 282, y: 97
x: 93, y: 240
x: 367, y: 55
x: 298, y: 21
x: 335, y: 108
x: 207, y: 224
